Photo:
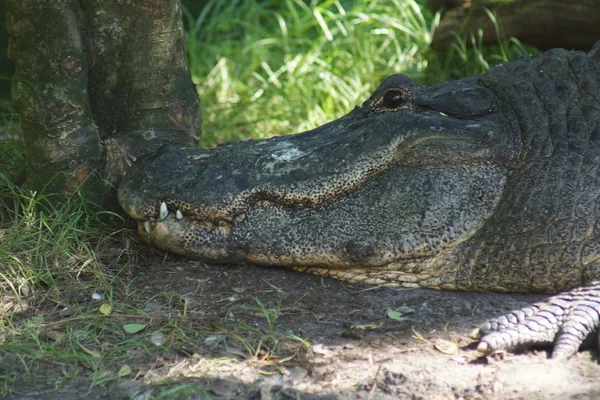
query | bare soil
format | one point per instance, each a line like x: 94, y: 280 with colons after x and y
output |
x: 355, y: 350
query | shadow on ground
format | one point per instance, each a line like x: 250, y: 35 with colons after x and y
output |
x: 356, y: 351
x: 336, y: 341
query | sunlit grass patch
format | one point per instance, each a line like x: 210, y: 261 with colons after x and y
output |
x: 266, y: 68
x: 277, y: 68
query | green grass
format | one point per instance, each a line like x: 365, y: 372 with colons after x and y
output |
x: 262, y: 69
x: 48, y: 260
x: 276, y: 68
x: 47, y: 242
x: 468, y: 56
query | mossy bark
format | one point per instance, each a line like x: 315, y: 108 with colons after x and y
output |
x: 543, y: 23
x: 98, y: 85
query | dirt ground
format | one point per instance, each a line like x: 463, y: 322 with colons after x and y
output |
x: 354, y: 349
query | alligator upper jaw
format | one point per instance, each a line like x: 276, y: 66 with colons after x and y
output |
x: 298, y: 171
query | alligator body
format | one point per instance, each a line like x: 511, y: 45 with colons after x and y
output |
x: 491, y: 182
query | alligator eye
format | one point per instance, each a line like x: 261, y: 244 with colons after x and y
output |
x: 394, y: 98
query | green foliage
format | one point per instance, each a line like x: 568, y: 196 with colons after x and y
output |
x: 49, y: 263
x: 48, y: 242
x: 275, y: 68
x: 468, y: 56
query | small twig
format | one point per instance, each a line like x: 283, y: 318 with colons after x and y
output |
x: 374, y: 387
x: 278, y: 290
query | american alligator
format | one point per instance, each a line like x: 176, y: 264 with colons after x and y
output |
x: 489, y: 183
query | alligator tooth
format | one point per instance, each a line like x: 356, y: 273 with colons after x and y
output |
x: 163, y: 210
x: 240, y: 217
x: 147, y: 226
x: 179, y: 215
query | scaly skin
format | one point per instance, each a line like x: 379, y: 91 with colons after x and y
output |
x: 487, y: 183
x: 564, y: 320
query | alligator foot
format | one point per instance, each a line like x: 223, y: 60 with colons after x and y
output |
x: 563, y: 321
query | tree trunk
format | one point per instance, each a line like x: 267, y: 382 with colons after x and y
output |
x: 98, y: 84
x: 543, y: 23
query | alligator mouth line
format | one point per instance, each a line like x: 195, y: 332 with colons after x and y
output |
x: 323, y: 192
x: 164, y: 212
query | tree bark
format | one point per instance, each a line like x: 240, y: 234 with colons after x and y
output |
x: 98, y: 84
x: 543, y: 23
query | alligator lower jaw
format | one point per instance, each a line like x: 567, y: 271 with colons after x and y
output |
x: 224, y: 243
x: 166, y: 234
x: 183, y: 235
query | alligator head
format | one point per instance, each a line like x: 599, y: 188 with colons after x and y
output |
x: 394, y: 184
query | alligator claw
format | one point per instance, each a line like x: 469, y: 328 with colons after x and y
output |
x: 163, y: 210
x: 179, y: 215
x: 563, y: 321
x: 483, y: 347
